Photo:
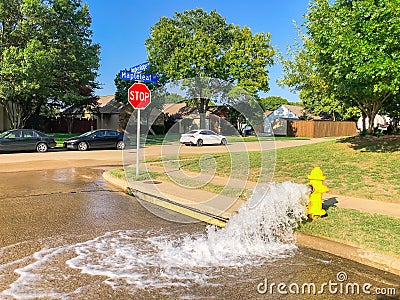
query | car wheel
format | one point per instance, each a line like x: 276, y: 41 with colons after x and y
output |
x: 41, y: 147
x: 224, y: 142
x: 199, y: 142
x: 82, y: 146
x: 120, y: 145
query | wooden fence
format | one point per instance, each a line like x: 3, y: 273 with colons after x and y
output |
x: 316, y: 129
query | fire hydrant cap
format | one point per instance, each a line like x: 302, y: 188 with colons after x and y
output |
x: 316, y: 174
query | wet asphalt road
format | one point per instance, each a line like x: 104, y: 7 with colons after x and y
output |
x: 56, y: 208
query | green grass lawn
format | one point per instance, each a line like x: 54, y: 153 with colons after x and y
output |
x: 354, y: 167
x: 233, y: 139
x: 356, y: 228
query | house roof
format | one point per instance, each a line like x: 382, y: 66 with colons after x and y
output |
x: 180, y: 110
x: 297, y: 110
x: 103, y: 100
x: 267, y: 113
x: 174, y: 108
x: 220, y: 111
x: 108, y: 105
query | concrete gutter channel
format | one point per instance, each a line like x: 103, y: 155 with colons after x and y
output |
x: 217, y: 217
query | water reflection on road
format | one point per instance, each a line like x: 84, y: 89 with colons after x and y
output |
x: 65, y: 234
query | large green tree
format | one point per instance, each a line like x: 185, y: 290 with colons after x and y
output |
x: 272, y: 102
x: 196, y: 43
x: 46, y: 56
x: 300, y: 74
x: 351, y: 53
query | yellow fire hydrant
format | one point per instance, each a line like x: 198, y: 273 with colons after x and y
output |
x: 316, y: 178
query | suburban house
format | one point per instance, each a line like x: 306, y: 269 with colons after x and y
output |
x: 285, y: 111
x: 104, y: 115
x: 184, y: 118
x: 275, y: 122
x: 108, y: 112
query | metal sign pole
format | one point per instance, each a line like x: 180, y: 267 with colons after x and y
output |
x: 137, y: 142
x: 139, y: 96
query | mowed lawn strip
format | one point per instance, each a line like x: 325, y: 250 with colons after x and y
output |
x: 370, y: 231
x: 350, y: 167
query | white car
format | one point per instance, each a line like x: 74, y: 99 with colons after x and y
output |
x: 202, y: 137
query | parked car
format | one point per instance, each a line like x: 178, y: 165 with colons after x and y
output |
x: 202, y: 137
x: 97, y: 139
x: 26, y: 140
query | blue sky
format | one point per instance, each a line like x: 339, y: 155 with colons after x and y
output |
x: 121, y: 27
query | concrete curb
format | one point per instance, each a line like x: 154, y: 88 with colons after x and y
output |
x: 194, y: 213
x: 121, y: 183
x: 364, y: 256
x: 367, y: 257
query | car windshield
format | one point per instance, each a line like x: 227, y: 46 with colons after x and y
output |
x: 191, y: 132
x: 2, y: 135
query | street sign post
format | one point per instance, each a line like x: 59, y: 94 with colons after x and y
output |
x: 139, y: 96
x: 141, y: 68
x: 126, y: 75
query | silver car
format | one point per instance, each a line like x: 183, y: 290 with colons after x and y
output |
x: 202, y: 137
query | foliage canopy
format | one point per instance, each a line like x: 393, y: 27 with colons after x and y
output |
x: 349, y: 55
x: 46, y: 56
x: 198, y: 44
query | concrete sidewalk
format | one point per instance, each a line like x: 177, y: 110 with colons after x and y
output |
x: 364, y: 205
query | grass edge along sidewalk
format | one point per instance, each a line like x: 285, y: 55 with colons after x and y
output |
x: 318, y: 239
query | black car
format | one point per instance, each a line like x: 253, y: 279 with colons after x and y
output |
x: 26, y: 140
x: 97, y: 139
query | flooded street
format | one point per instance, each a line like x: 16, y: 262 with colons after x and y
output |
x: 65, y: 234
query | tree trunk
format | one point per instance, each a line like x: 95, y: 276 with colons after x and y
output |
x: 370, y: 109
x: 371, y: 119
x: 363, y: 119
x: 70, y: 123
x: 148, y: 125
x: 371, y: 113
x: 202, y: 108
x: 15, y: 114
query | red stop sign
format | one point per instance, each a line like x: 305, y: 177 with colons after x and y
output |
x: 139, y: 96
